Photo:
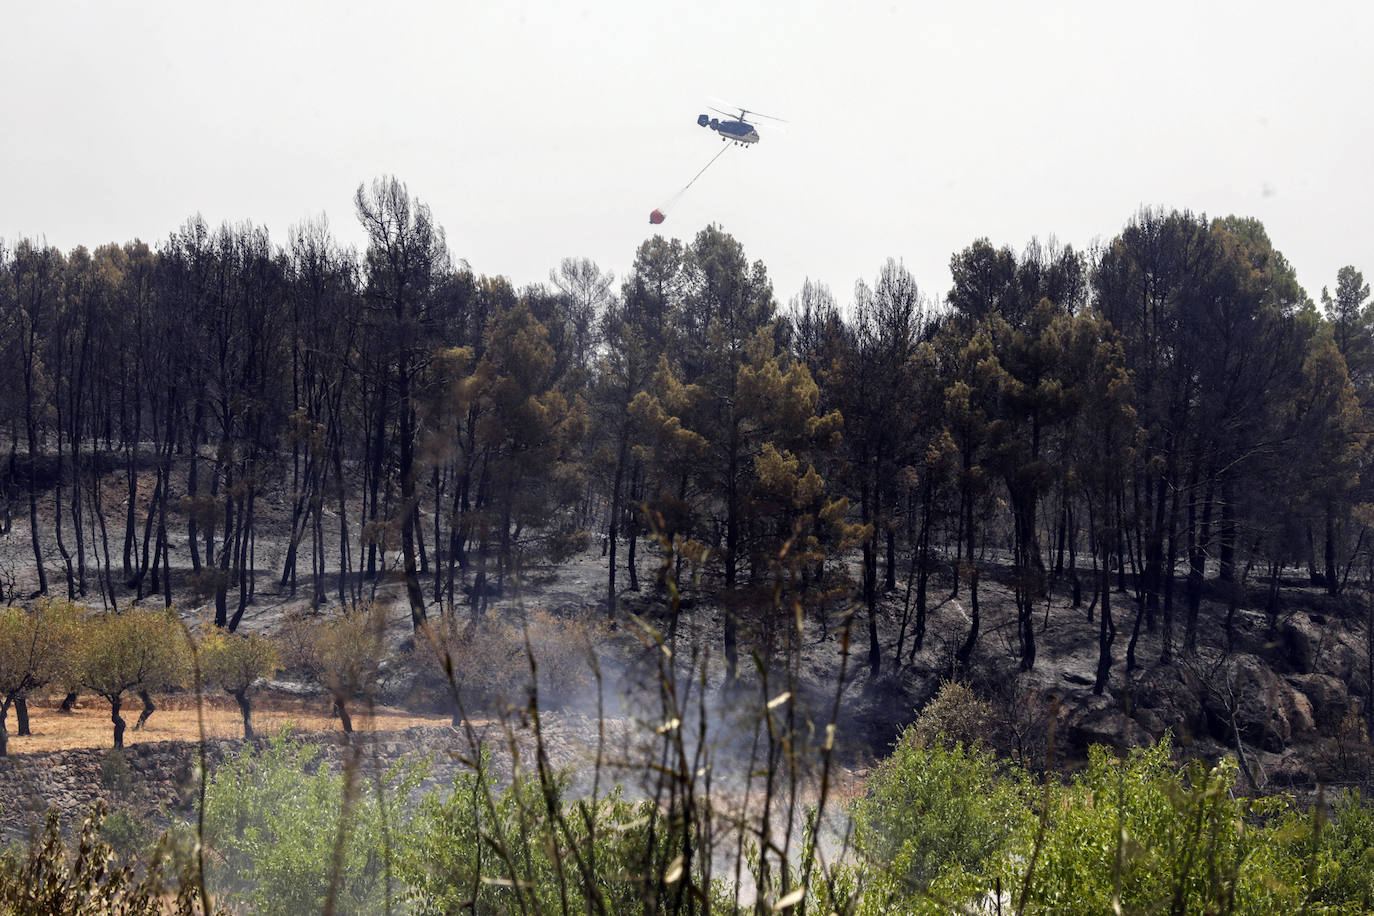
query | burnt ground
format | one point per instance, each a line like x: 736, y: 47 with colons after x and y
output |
x: 1288, y: 701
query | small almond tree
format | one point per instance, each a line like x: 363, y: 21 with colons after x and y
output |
x: 236, y: 663
x: 36, y: 646
x: 343, y: 654
x: 140, y: 650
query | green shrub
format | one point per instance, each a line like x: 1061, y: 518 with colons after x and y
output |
x: 525, y: 848
x: 271, y: 824
x: 128, y: 834
x: 933, y: 811
x: 115, y: 773
x: 1134, y: 834
x: 956, y: 715
x: 1344, y: 855
x: 942, y: 829
x: 946, y: 828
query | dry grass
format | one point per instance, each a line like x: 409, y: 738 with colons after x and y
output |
x: 175, y: 720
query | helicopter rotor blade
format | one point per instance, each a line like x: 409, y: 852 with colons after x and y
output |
x: 741, y: 114
x: 759, y: 114
x: 738, y: 111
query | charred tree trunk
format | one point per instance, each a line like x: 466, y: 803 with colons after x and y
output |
x: 923, y: 568
x: 341, y: 710
x: 890, y: 566
x: 870, y: 571
x: 192, y: 487
x: 245, y: 710
x: 613, y: 528
x: 374, y: 484
x: 131, y: 472
x: 117, y: 719
x: 163, y: 545
x: 631, y: 515
x: 1061, y: 538
x: 438, y: 484
x: 731, y: 640
x: 1106, y: 631
x: 226, y: 554
x: 1226, y: 534
x: 147, y: 710
x: 1333, y: 584
x: 1197, y: 561
x: 243, y: 561
x: 57, y: 528
x: 965, y: 653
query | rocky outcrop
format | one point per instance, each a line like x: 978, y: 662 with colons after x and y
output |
x: 1100, y: 720
x: 1243, y: 694
x: 1301, y: 641
x: 1312, y: 645
x: 1167, y: 697
x: 1238, y: 693
x: 1328, y: 696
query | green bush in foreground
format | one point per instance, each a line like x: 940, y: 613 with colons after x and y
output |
x: 1134, y: 831
x: 273, y: 823
x: 1137, y: 832
x: 943, y: 829
x: 1345, y: 851
x: 48, y: 879
x: 936, y: 811
x: 1129, y: 834
x: 271, y: 828
x: 472, y: 848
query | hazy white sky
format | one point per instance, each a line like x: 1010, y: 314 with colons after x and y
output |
x: 541, y: 130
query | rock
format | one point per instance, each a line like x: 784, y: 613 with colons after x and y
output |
x: 1327, y: 695
x: 1301, y: 640
x: 1292, y: 771
x: 1297, y: 709
x: 1343, y: 658
x: 1151, y: 722
x: 1171, y: 693
x: 1247, y: 690
x: 1109, y: 726
x: 1311, y: 645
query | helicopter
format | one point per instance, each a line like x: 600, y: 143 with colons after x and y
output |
x: 737, y: 128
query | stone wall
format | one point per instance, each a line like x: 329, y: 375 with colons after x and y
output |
x: 159, y: 777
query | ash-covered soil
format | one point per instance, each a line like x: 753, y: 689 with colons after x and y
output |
x: 1289, y: 702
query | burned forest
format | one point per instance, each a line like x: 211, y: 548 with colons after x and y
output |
x: 691, y: 598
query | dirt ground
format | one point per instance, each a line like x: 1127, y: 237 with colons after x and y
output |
x: 176, y: 719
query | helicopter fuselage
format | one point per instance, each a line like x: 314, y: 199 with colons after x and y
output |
x: 741, y: 132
